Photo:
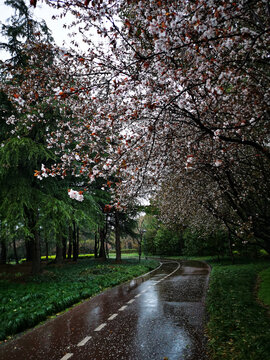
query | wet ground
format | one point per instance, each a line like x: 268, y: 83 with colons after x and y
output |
x: 160, y: 316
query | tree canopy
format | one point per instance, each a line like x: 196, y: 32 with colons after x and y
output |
x: 175, y: 93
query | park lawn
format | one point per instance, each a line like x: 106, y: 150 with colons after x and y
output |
x: 238, y: 327
x: 132, y: 255
x: 52, y: 257
x: 27, y: 301
x: 264, y: 288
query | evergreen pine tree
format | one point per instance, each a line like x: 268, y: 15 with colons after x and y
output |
x: 22, y: 151
x: 22, y: 30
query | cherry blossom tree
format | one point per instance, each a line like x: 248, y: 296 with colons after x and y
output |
x: 235, y: 196
x: 172, y: 88
x: 190, y: 76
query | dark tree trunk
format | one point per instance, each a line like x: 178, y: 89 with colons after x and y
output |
x: 140, y: 250
x: 3, y: 258
x: 33, y: 245
x: 15, y: 251
x: 59, y: 251
x: 230, y: 246
x: 74, y: 240
x: 117, y: 238
x: 29, y: 243
x: 36, y: 265
x: 69, y: 242
x: 47, y: 249
x: 64, y: 247
x: 102, y: 237
x: 107, y: 249
x: 78, y: 241
x: 96, y: 245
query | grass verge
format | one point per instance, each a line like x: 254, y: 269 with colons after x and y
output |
x: 264, y: 288
x: 238, y: 327
x: 25, y: 302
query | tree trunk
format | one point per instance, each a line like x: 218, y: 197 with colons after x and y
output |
x: 102, y: 237
x: 29, y: 243
x: 74, y: 239
x: 64, y: 247
x: 117, y: 238
x: 96, y: 245
x: 36, y: 265
x: 3, y: 258
x: 47, y: 248
x: 78, y: 241
x: 15, y: 251
x: 140, y: 250
x: 59, y: 251
x: 69, y: 242
x: 107, y: 249
x: 230, y: 246
x: 33, y: 246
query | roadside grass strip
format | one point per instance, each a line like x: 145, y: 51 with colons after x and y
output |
x: 239, y: 328
x: 27, y: 302
x: 264, y: 286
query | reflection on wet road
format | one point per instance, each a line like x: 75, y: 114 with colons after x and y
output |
x: 151, y: 318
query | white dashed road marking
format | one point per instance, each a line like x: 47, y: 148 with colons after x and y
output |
x: 67, y: 356
x: 100, y: 327
x: 112, y: 317
x: 84, y: 341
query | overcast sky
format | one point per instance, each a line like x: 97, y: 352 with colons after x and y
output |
x: 42, y: 11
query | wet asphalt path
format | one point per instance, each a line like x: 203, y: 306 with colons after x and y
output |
x: 155, y: 317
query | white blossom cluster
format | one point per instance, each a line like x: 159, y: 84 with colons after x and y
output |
x: 76, y: 195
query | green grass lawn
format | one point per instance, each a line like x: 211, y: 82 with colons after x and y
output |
x: 238, y: 327
x: 134, y: 255
x: 264, y: 289
x: 27, y: 301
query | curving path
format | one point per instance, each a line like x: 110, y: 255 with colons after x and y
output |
x: 158, y: 316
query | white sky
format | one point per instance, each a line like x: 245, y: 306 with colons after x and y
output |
x: 42, y: 11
